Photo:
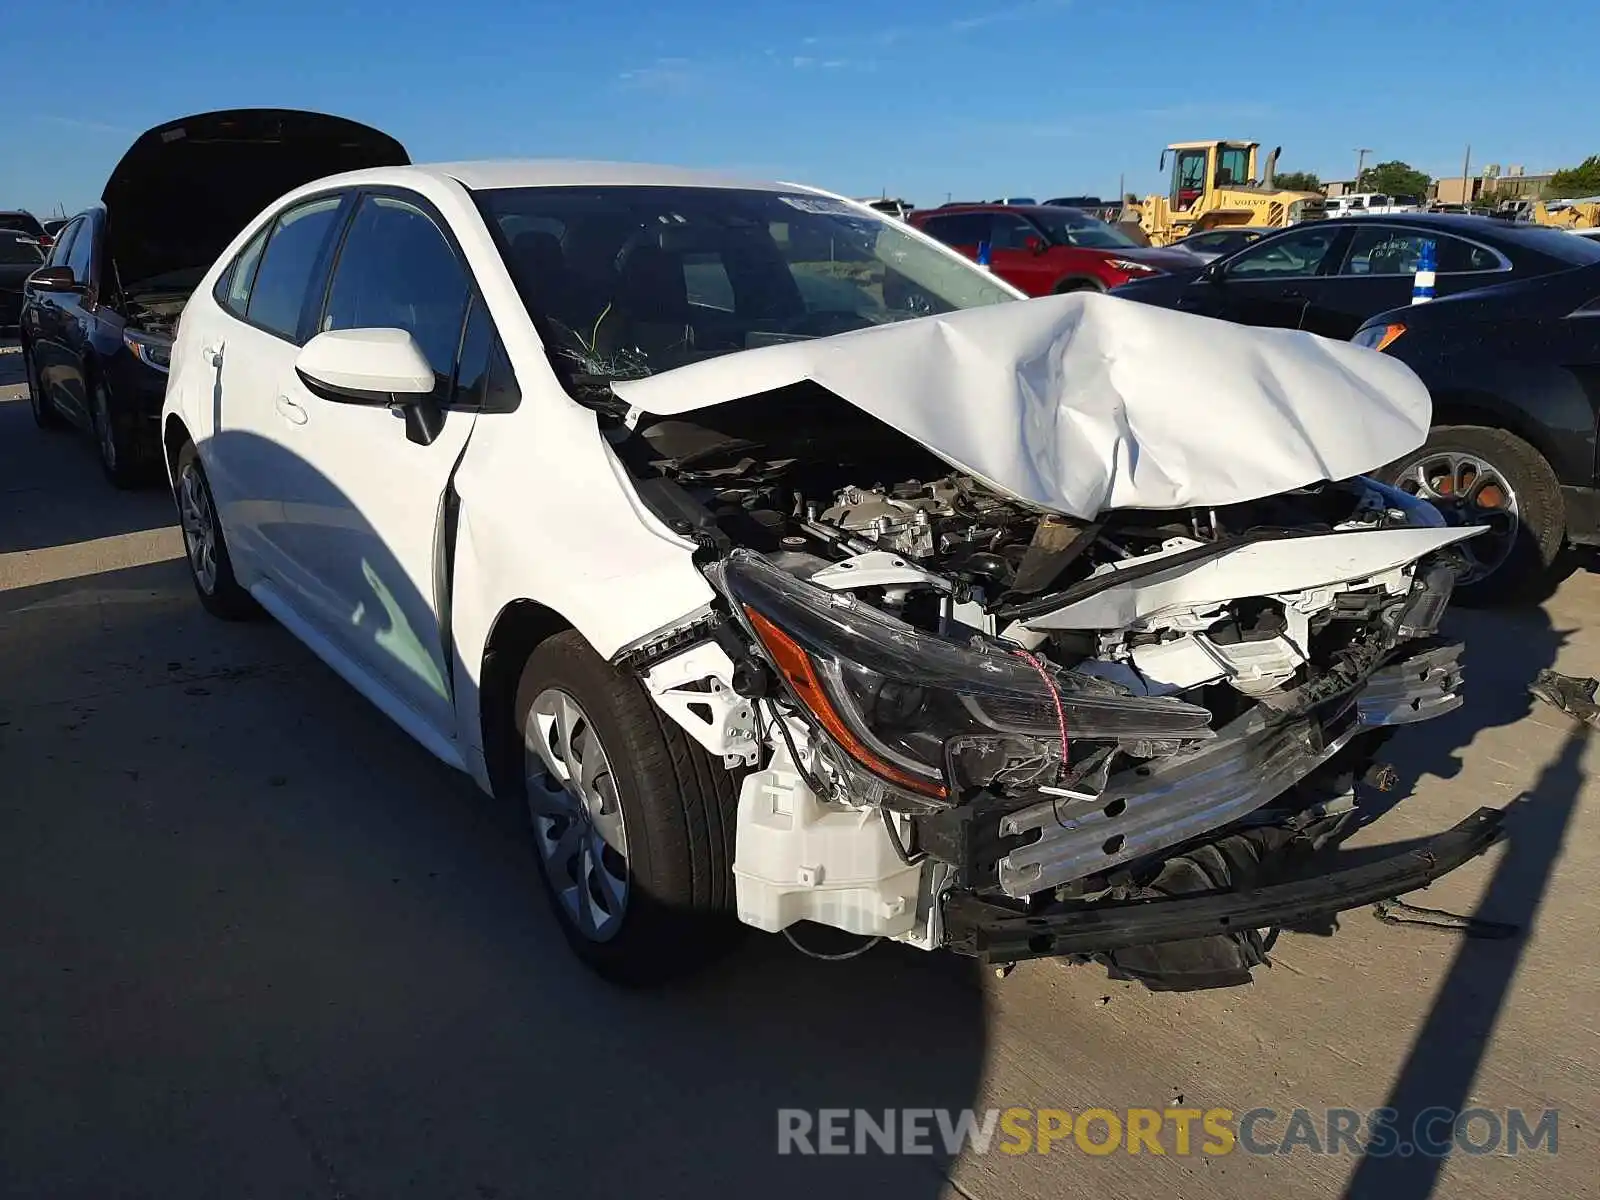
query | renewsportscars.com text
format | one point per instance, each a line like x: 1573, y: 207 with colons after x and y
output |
x: 1378, y: 1133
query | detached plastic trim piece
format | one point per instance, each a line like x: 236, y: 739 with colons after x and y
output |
x: 995, y: 934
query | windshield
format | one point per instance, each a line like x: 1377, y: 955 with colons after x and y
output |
x: 630, y: 281
x: 17, y: 248
x: 1069, y: 227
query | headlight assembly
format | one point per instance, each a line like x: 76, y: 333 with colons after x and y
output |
x: 1378, y: 337
x: 913, y: 708
x: 149, y: 349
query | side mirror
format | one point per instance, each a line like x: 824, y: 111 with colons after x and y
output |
x: 374, y: 367
x: 54, y: 279
x: 1213, y: 271
x: 1035, y: 244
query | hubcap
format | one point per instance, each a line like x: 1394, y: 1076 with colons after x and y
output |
x: 577, y: 819
x: 102, y: 426
x: 1469, y: 490
x: 199, y: 521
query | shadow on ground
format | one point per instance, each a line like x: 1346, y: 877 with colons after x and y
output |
x: 1505, y: 651
x: 52, y: 490
x: 259, y: 943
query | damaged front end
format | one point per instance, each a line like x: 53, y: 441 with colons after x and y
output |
x: 967, y: 723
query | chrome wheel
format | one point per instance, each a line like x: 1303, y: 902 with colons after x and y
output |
x: 1469, y: 490
x: 577, y: 818
x: 199, y: 521
x: 104, y: 433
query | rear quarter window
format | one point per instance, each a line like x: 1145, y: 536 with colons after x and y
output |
x: 278, y: 294
x: 1554, y: 243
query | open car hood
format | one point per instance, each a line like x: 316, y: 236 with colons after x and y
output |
x: 185, y: 188
x: 1083, y: 403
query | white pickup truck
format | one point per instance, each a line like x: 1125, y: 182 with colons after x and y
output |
x: 1354, y: 203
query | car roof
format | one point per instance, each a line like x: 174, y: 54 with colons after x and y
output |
x: 1462, y: 223
x: 1026, y: 209
x: 494, y: 174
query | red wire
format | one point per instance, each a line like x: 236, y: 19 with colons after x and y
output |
x: 1055, y: 695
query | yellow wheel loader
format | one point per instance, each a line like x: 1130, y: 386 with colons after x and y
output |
x: 1215, y: 184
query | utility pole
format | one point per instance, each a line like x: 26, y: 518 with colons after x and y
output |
x: 1466, y: 184
x: 1361, y: 161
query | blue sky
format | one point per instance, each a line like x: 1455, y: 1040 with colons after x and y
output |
x: 968, y: 97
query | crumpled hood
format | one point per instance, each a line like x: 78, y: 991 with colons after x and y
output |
x: 1084, y: 403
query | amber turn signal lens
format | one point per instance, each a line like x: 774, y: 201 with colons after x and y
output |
x: 795, y: 665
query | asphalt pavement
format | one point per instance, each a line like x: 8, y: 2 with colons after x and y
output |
x: 255, y: 942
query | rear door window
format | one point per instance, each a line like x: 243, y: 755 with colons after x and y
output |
x: 1386, y: 250
x: 277, y: 296
x: 961, y: 229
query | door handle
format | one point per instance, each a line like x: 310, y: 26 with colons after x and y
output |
x: 1291, y: 294
x: 290, y: 411
x: 212, y: 354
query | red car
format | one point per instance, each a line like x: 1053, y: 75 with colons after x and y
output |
x: 1044, y: 249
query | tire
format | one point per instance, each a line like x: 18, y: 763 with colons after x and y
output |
x: 124, y: 457
x: 676, y: 803
x: 1077, y: 285
x: 1515, y: 561
x: 43, y: 408
x: 214, y: 581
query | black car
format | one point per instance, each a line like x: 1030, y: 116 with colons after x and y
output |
x: 1514, y: 372
x: 1219, y: 243
x: 20, y: 257
x: 99, y: 318
x: 23, y: 221
x: 1329, y: 277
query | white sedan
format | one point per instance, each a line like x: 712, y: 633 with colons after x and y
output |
x: 785, y: 568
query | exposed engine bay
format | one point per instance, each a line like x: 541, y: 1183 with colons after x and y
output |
x: 964, y: 721
x: 155, y: 312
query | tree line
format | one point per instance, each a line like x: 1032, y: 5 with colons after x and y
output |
x: 1402, y: 179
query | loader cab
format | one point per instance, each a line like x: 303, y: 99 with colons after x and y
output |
x: 1200, y: 167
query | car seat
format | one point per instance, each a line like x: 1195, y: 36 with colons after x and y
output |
x: 649, y: 309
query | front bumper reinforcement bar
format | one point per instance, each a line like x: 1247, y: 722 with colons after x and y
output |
x: 997, y: 934
x: 1250, y: 761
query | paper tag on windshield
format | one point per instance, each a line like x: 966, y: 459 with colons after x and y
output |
x: 821, y: 205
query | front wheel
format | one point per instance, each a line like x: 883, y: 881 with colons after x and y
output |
x: 1476, y: 475
x: 632, y: 821
x: 122, y: 456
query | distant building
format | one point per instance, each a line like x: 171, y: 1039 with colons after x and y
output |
x: 1512, y: 183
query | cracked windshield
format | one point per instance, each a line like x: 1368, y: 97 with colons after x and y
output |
x: 631, y: 281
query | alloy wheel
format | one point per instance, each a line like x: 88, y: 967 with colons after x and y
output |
x: 1469, y: 490
x: 105, y: 434
x: 199, y: 520
x: 577, y: 816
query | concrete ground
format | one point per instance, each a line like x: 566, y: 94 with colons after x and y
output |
x: 257, y: 943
